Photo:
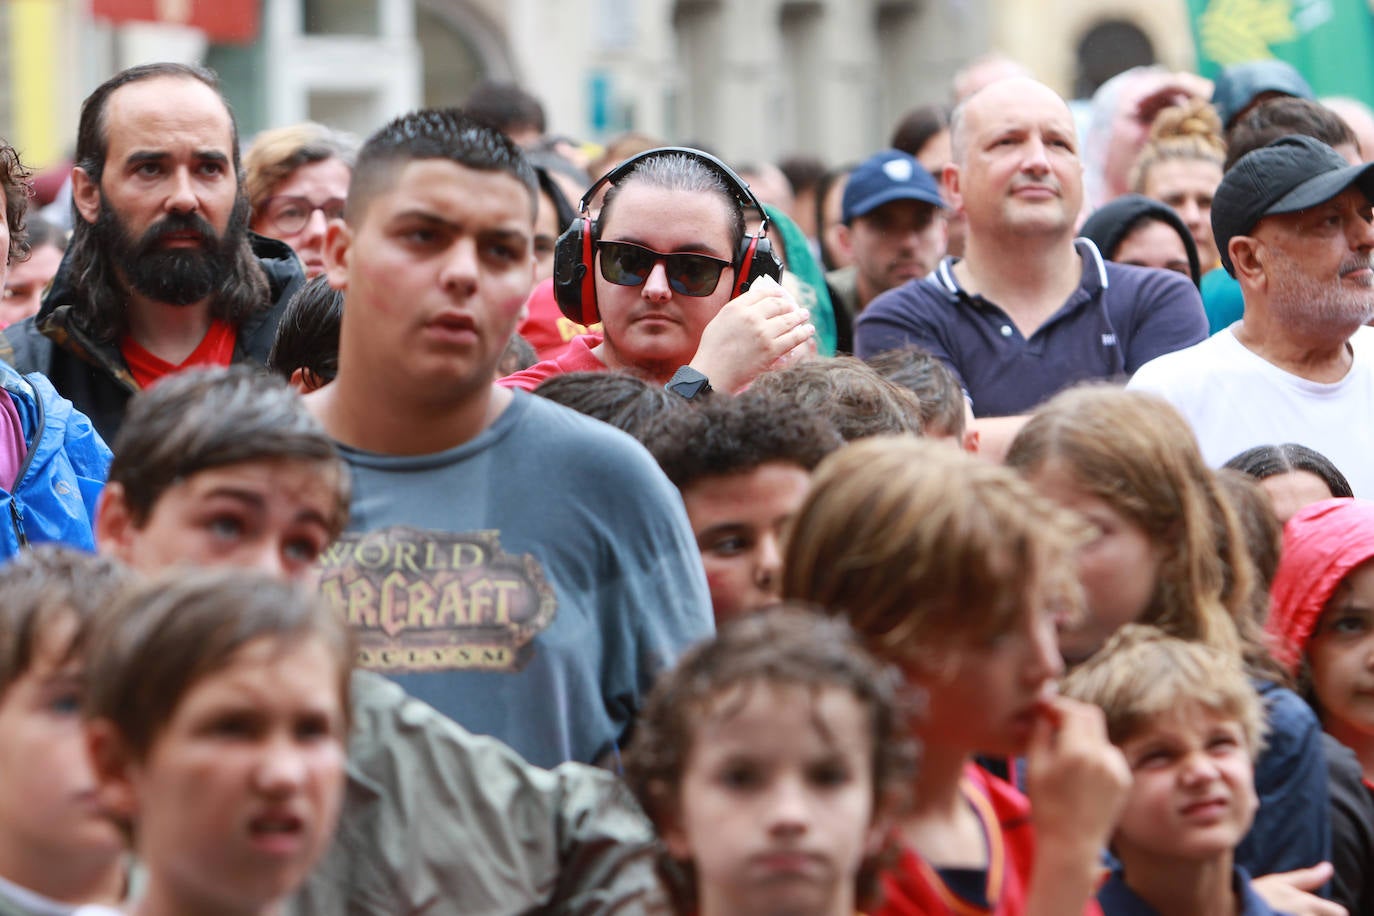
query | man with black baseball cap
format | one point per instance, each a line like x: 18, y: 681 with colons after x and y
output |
x: 1293, y: 224
x: 892, y: 228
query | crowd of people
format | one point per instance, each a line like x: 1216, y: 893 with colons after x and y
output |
x: 451, y: 521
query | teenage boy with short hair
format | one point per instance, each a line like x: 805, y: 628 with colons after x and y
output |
x: 525, y: 569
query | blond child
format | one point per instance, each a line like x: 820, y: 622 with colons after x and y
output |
x: 770, y: 760
x: 1190, y: 725
x: 955, y: 571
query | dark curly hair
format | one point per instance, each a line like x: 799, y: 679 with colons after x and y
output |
x: 856, y: 400
x: 15, y: 178
x: 788, y: 645
x: 732, y: 435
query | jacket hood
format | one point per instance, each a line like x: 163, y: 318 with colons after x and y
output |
x: 1321, y: 545
x: 1112, y: 222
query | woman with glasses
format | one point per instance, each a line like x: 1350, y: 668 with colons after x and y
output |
x: 297, y: 181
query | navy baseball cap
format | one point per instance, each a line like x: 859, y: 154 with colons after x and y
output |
x: 1290, y: 174
x: 1237, y: 86
x: 885, y: 177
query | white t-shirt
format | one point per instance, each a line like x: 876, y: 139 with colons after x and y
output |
x: 1235, y: 400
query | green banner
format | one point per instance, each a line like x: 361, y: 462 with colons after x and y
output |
x: 1331, y: 42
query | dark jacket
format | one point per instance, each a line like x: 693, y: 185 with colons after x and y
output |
x: 93, y: 375
x: 1112, y: 222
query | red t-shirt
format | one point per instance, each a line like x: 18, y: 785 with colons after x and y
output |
x: 215, y: 349
x: 578, y: 358
x: 914, y: 888
x: 545, y: 326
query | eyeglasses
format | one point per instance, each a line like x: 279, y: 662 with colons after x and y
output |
x: 628, y: 264
x: 288, y: 214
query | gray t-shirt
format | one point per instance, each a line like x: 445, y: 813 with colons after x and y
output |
x: 530, y: 583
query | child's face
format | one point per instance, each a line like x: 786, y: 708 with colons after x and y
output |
x: 987, y: 697
x: 1118, y: 568
x: 276, y: 516
x: 48, y: 804
x: 738, y: 521
x: 1341, y: 656
x: 776, y: 803
x: 1192, y: 793
x: 238, y: 795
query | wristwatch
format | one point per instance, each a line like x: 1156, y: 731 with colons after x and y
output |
x: 689, y: 383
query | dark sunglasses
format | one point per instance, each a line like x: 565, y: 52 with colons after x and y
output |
x: 628, y: 264
x: 288, y: 214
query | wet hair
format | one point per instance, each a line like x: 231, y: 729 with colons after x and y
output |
x: 926, y: 549
x: 16, y: 179
x: 1143, y: 674
x: 162, y: 637
x: 783, y: 646
x: 625, y: 401
x: 856, y: 400
x: 672, y: 171
x: 276, y: 154
x: 1262, y: 531
x: 918, y: 126
x: 434, y: 133
x: 1264, y: 461
x: 1283, y: 117
x: 95, y: 278
x: 504, y: 107
x: 735, y: 435
x: 205, y: 418
x: 1187, y: 132
x: 44, y: 586
x: 937, y: 388
x: 1135, y: 452
x: 308, y: 336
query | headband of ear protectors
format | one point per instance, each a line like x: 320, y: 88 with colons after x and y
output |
x: 574, y: 284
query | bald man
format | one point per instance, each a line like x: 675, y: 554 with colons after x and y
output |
x: 1028, y: 311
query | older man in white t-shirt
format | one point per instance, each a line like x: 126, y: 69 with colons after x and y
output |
x: 1292, y: 222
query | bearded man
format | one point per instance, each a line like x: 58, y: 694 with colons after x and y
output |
x: 162, y: 272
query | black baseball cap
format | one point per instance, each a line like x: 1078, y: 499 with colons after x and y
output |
x: 1237, y: 86
x: 1290, y: 174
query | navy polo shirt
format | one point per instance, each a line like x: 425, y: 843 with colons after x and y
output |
x: 1119, y: 318
x: 1116, y: 899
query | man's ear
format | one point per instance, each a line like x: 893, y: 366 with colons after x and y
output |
x: 113, y: 766
x: 115, y: 531
x: 844, y: 239
x: 1244, y: 251
x: 338, y: 245
x: 86, y: 195
x: 950, y: 185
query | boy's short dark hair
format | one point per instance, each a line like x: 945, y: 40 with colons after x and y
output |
x: 784, y: 645
x: 46, y: 584
x: 434, y: 133
x: 625, y: 401
x: 733, y: 435
x: 924, y: 374
x: 856, y: 400
x: 208, y: 418
x: 150, y: 647
x: 308, y: 335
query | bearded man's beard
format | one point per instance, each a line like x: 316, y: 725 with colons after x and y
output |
x: 179, y: 275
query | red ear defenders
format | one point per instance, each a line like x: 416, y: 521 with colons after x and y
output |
x: 574, y: 283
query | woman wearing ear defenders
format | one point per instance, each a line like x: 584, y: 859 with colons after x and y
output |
x: 686, y: 299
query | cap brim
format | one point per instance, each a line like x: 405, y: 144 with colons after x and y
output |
x: 888, y: 195
x: 1321, y: 188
